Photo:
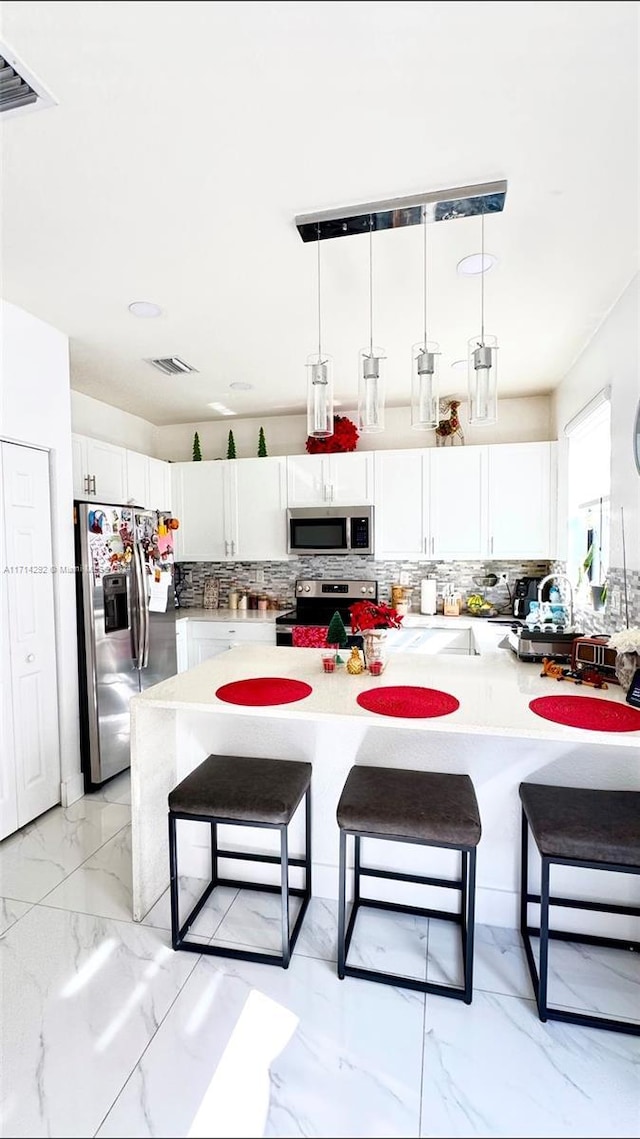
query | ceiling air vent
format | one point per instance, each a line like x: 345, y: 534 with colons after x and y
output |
x: 19, y: 89
x: 171, y: 365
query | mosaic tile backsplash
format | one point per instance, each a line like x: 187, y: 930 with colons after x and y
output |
x: 278, y: 578
x: 613, y: 615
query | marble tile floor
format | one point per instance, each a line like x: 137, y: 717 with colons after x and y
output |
x: 105, y: 1031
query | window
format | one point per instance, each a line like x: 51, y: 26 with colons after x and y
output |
x: 589, y: 481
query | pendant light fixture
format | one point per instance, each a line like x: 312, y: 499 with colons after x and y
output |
x: 320, y: 380
x: 483, y: 368
x: 370, y: 388
x: 424, y: 364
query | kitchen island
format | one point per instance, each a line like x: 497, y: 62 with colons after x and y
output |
x: 493, y: 736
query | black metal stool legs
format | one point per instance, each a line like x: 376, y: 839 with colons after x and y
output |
x: 465, y: 918
x: 289, y: 935
x: 539, y: 977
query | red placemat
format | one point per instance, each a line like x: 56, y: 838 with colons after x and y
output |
x: 587, y: 712
x: 263, y: 690
x: 408, y: 700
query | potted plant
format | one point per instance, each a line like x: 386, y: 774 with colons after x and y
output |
x: 372, y: 620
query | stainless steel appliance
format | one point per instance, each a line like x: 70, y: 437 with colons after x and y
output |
x: 126, y: 625
x: 525, y: 591
x: 318, y: 599
x: 534, y: 644
x: 330, y: 530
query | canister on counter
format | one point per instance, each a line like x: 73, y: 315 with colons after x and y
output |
x: 233, y: 598
x: 263, y: 602
x: 242, y: 600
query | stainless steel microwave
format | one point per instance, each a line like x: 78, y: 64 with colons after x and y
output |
x: 330, y: 530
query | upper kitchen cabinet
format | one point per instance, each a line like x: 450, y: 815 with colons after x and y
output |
x: 198, y: 500
x: 256, y: 494
x: 137, y: 478
x: 160, y: 497
x: 339, y: 480
x: 522, y: 500
x: 457, y: 496
x: 99, y: 470
x: 402, y: 499
x: 230, y: 510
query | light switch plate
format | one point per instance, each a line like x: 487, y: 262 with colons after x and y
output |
x: 615, y: 601
x: 260, y: 576
x: 404, y: 577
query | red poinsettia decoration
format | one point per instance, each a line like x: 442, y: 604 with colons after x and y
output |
x: 366, y: 615
x: 344, y: 438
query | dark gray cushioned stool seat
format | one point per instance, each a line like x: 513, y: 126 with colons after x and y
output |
x: 589, y: 825
x: 429, y: 806
x: 243, y: 788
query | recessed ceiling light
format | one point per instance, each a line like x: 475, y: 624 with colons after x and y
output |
x: 144, y: 308
x: 459, y: 365
x: 241, y: 386
x: 476, y: 263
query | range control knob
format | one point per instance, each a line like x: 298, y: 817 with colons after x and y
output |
x: 307, y: 589
x: 299, y: 589
x: 363, y: 589
x: 370, y: 590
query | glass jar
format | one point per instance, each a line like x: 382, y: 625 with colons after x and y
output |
x: 263, y: 602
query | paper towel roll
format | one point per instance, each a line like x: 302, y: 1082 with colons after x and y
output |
x: 428, y: 595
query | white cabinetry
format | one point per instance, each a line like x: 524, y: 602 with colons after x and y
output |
x: 198, y: 504
x: 458, y: 498
x: 29, y: 748
x: 521, y: 500
x: 159, y: 497
x: 230, y: 510
x: 182, y: 646
x: 402, y: 499
x: 137, y: 478
x: 99, y: 470
x: 343, y: 480
x: 208, y: 638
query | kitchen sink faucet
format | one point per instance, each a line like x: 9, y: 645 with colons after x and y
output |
x: 558, y: 577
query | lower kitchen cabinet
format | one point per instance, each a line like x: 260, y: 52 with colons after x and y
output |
x: 208, y: 638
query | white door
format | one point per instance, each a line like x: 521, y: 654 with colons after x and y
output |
x: 79, y: 465
x: 198, y: 503
x: 400, y: 504
x: 458, y: 502
x: 137, y: 490
x: 521, y: 511
x: 307, y: 480
x: 159, y: 485
x: 27, y: 522
x: 351, y: 479
x: 260, y: 494
x: 8, y: 796
x: 107, y: 468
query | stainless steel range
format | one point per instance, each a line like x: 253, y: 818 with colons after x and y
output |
x: 317, y: 599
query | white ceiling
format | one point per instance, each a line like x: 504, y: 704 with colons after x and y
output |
x: 187, y: 136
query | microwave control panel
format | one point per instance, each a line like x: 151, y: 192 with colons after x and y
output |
x: 359, y: 533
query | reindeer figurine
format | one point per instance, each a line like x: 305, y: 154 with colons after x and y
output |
x: 449, y: 427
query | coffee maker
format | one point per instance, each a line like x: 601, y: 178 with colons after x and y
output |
x: 526, y: 591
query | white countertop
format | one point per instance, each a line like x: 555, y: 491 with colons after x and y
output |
x: 244, y: 616
x: 494, y: 689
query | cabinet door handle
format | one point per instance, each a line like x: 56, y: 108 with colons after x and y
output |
x: 233, y: 548
x: 92, y: 481
x: 30, y: 657
x: 226, y: 548
x: 331, y: 489
x: 424, y: 545
x: 491, y: 547
x: 433, y: 544
x: 86, y: 484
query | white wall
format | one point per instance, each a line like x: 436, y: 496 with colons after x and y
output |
x: 111, y: 425
x: 610, y: 358
x: 35, y: 408
x: 519, y: 421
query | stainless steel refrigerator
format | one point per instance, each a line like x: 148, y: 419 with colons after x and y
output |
x: 126, y: 625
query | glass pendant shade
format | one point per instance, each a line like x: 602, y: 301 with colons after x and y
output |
x: 483, y: 380
x: 424, y: 385
x: 371, y: 390
x: 319, y: 395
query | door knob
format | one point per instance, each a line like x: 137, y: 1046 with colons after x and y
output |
x: 30, y: 658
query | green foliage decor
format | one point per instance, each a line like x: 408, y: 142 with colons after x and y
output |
x: 231, y: 447
x: 197, y: 453
x: 262, y: 445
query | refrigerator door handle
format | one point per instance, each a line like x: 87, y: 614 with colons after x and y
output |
x: 144, y: 607
x: 137, y: 615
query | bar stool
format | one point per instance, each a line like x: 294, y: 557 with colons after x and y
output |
x: 247, y: 792
x: 591, y: 829
x: 422, y: 807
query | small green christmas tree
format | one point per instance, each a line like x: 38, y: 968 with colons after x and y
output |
x: 337, y: 635
x: 262, y: 445
x: 197, y: 453
x: 231, y: 447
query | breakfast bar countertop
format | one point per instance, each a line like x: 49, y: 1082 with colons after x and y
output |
x: 493, y: 687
